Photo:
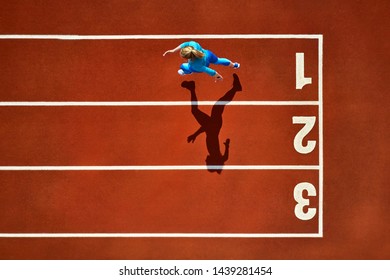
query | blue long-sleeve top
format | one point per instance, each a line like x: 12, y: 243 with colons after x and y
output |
x: 199, y: 64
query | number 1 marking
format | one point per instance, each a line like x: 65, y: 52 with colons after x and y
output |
x: 300, y: 80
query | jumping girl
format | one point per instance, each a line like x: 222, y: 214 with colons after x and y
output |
x: 199, y: 60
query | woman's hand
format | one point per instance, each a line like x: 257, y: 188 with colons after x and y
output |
x: 168, y: 51
x: 218, y: 77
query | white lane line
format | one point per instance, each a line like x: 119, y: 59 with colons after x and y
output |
x: 158, y: 167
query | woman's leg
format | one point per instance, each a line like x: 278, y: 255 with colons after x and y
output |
x: 185, y: 67
x: 212, y: 58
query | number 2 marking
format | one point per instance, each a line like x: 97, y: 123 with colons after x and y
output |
x: 302, y: 202
x: 298, y: 140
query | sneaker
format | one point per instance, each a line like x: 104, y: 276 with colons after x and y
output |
x: 236, y: 65
x: 182, y: 73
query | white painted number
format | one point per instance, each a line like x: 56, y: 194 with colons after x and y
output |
x: 298, y: 140
x: 302, y: 202
x: 300, y: 79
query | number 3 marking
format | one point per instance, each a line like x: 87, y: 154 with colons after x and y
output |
x: 302, y: 202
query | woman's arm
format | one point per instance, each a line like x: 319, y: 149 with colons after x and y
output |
x: 173, y: 50
x: 212, y: 73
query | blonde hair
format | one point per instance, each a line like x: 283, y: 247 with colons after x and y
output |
x: 190, y: 53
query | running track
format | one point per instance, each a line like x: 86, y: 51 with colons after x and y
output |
x: 145, y: 137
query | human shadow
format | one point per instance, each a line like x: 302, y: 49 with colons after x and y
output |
x: 211, y: 125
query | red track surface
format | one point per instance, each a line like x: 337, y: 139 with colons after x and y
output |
x: 188, y: 201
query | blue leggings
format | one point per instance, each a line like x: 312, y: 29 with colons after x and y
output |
x: 210, y: 58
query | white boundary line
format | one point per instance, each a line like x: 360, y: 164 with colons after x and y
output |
x: 154, y: 103
x: 320, y: 136
x: 158, y: 167
x: 159, y: 37
x: 179, y: 103
x: 157, y: 235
